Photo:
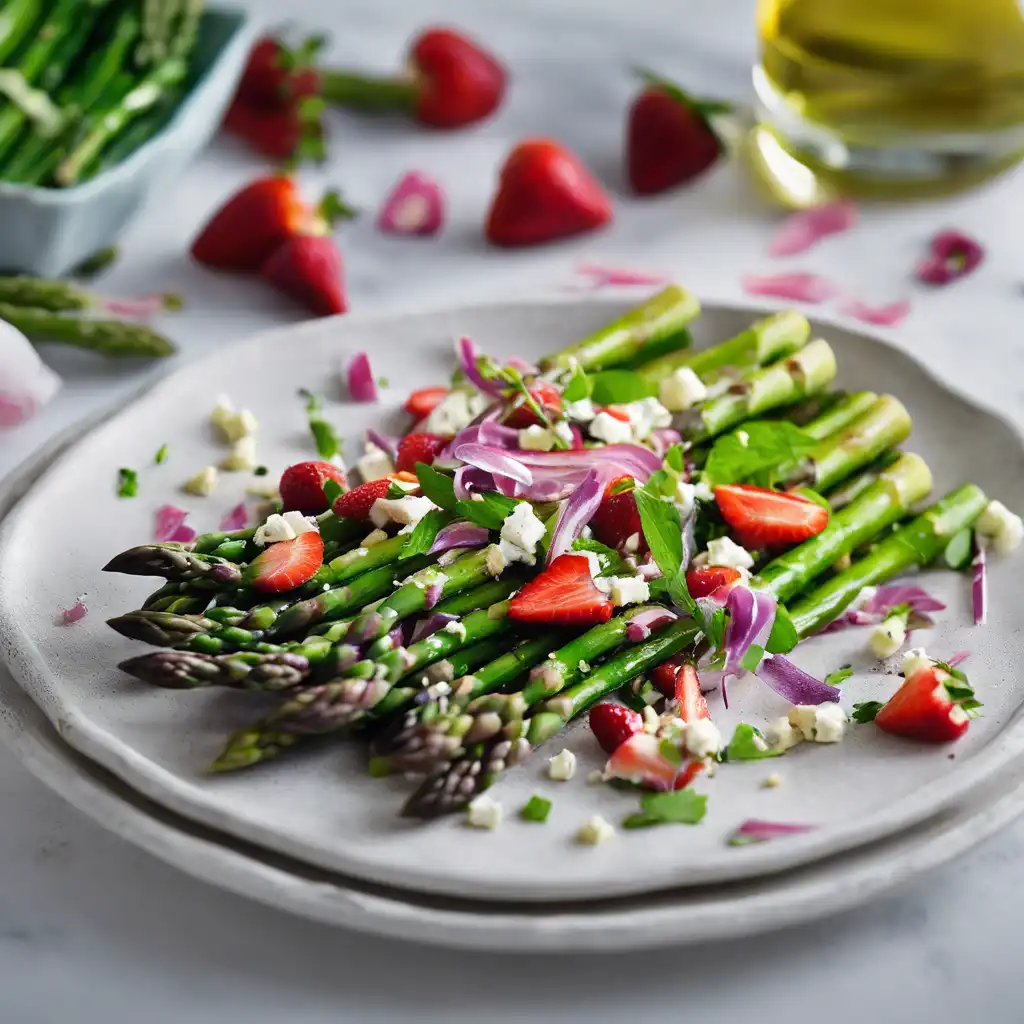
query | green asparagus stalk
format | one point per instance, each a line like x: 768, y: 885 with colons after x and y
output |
x: 661, y: 316
x: 183, y: 670
x: 107, y: 337
x: 162, y: 629
x: 851, y: 489
x: 186, y: 28
x: 175, y: 562
x: 918, y: 543
x: 840, y: 414
x: 17, y: 19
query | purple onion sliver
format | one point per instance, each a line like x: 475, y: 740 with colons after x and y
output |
x: 466, y: 352
x: 432, y: 594
x: 575, y: 513
x: 664, y: 438
x: 469, y: 479
x: 184, y: 534
x: 886, y: 598
x: 459, y: 535
x: 359, y: 379
x: 235, y: 519
x: 979, y: 588
x: 643, y: 624
x: 755, y: 830
x: 954, y: 659
x: 793, y: 683
x: 649, y: 571
x: 384, y: 442
x: 494, y: 460
x: 430, y: 625
x: 71, y: 615
x: 636, y: 632
x: 168, y: 519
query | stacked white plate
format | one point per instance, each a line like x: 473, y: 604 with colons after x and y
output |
x: 314, y: 834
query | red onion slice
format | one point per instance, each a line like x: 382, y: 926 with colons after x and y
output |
x: 793, y: 683
x: 359, y: 378
x: 757, y: 830
x: 469, y: 479
x: 886, y: 598
x: 979, y: 588
x: 236, y: 519
x: 882, y: 316
x: 385, y: 442
x: 751, y: 614
x: 466, y: 352
x: 415, y: 206
x: 953, y: 255
x: 459, y: 535
x: 642, y: 625
x: 430, y: 625
x: 494, y: 460
x: 432, y: 594
x: 577, y: 510
x: 169, y: 519
x: 801, y: 231
x: 76, y: 612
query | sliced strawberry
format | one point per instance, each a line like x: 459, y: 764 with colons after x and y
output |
x: 617, y: 518
x: 287, y: 564
x: 544, y: 193
x: 302, y: 486
x: 564, y: 594
x: 616, y: 413
x: 309, y: 270
x: 415, y: 448
x: 760, y: 518
x: 547, y: 396
x: 640, y: 760
x: 613, y: 724
x: 679, y: 680
x: 356, y: 504
x: 924, y: 709
x: 711, y: 580
x: 423, y: 402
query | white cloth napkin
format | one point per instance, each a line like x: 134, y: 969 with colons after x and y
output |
x: 26, y: 382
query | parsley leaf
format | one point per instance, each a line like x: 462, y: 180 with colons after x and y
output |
x: 332, y: 491
x: 161, y: 455
x: 422, y: 536
x: 768, y: 444
x: 490, y: 513
x: 579, y: 386
x: 438, y: 487
x: 663, y: 531
x: 750, y: 661
x: 328, y: 444
x: 537, y: 809
x: 747, y: 744
x: 608, y: 558
x: 866, y: 711
x: 617, y: 387
x: 681, y: 807
x: 675, y: 458
x: 840, y: 675
x: 127, y: 483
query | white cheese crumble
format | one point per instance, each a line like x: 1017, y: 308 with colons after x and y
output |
x: 819, y: 723
x: 610, y: 429
x: 773, y: 781
x: 407, y: 511
x: 999, y: 528
x: 484, y: 812
x: 203, y: 483
x: 373, y: 538
x: 564, y: 432
x: 536, y: 439
x: 914, y: 659
x: 562, y: 767
x: 652, y: 720
x: 646, y: 415
x: 453, y: 413
x: 300, y: 523
x: 686, y: 494
x: 703, y: 738
x: 242, y: 456
x: 782, y: 735
x: 456, y: 628
x: 581, y: 411
x: 495, y: 560
x: 887, y: 637
x: 681, y: 390
x: 521, y: 532
x: 624, y: 590
x: 274, y: 530
x: 374, y: 463
x: 726, y: 552
x: 233, y: 425
x: 595, y: 777
x: 594, y: 831
x: 632, y: 545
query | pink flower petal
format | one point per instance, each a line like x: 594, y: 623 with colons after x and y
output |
x: 183, y: 535
x: 952, y: 255
x: 359, y: 378
x: 954, y: 659
x: 803, y: 230
x: 414, y: 207
x: 169, y: 519
x: 884, y: 316
x: 236, y: 519
x: 618, y: 277
x: 797, y: 287
x: 73, y: 614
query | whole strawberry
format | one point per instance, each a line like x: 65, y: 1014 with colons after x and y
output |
x: 275, y: 74
x: 669, y: 137
x: 302, y: 486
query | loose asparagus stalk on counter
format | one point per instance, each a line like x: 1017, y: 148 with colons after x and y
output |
x: 107, y: 337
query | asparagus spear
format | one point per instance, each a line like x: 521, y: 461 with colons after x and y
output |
x: 661, y: 316
x: 175, y: 562
x: 183, y: 670
x: 918, y: 543
x: 841, y: 413
x: 17, y: 19
x: 850, y: 489
x: 107, y: 337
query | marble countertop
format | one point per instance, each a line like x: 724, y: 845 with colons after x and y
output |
x: 92, y: 929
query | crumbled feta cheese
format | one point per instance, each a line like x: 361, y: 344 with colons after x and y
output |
x: 407, y: 511
x: 514, y: 553
x: 242, y: 456
x: 484, y: 812
x: 646, y: 415
x: 887, y: 637
x: 773, y: 781
x: 682, y: 390
x: 592, y: 561
x: 374, y: 464
x: 274, y: 530
x: 223, y: 411
x: 456, y: 628
x: 300, y: 523
x: 686, y: 493
x: 999, y: 528
x: 477, y: 496
x: 702, y: 491
x: 581, y: 411
x: 264, y: 489
x: 536, y: 439
x: 743, y: 437
x: 801, y: 717
x: 595, y: 777
x: 624, y: 590
x: 562, y: 767
x: 652, y: 720
x: 782, y: 735
x: 233, y: 425
x: 594, y: 831
x: 914, y: 659
x: 495, y: 560
x: 453, y: 413
x: 703, y: 738
x: 651, y: 696
x: 438, y: 690
x: 583, y: 666
x: 610, y: 429
x: 203, y: 483
x: 632, y: 544
x: 564, y: 432
x: 523, y: 529
x: 373, y: 538
x: 820, y: 723
x: 726, y: 552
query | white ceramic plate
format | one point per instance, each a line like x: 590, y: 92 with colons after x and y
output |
x: 320, y: 807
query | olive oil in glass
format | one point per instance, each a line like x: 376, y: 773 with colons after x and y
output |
x: 887, y: 97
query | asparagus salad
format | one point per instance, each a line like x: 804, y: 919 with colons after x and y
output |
x: 625, y: 531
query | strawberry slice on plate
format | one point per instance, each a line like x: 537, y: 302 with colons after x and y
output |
x: 415, y: 448
x: 356, y: 504
x: 678, y: 679
x: 711, y: 580
x: 423, y: 402
x: 287, y: 564
x: 617, y: 518
x: 931, y: 706
x: 302, y: 486
x: 762, y: 518
x: 613, y: 724
x: 564, y: 594
x: 547, y: 396
x: 640, y: 760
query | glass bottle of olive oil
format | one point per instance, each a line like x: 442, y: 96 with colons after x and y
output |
x: 887, y: 97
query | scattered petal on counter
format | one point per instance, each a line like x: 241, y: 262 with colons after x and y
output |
x: 169, y: 519
x: 883, y: 316
x: 236, y: 519
x: 144, y: 306
x: 416, y: 206
x: 797, y: 287
x: 755, y: 830
x: 801, y: 231
x: 599, y: 276
x: 73, y: 614
x: 26, y: 382
x: 359, y: 377
x: 952, y: 255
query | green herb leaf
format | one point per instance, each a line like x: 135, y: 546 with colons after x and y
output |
x: 663, y: 531
x: 662, y: 483
x: 681, y: 807
x: 161, y: 455
x: 714, y: 628
x: 681, y: 596
x: 328, y: 444
x: 332, y: 491
x: 747, y: 744
x: 866, y: 711
x: 438, y: 487
x: 608, y: 558
x: 579, y: 386
x: 768, y: 444
x: 783, y: 637
x: 617, y: 387
x: 752, y: 659
x: 490, y: 513
x: 395, y: 492
x: 127, y: 483
x: 675, y: 458
x: 840, y: 675
x: 426, y: 530
x: 260, y: 471
x: 671, y: 752
x: 959, y: 550
x: 537, y: 809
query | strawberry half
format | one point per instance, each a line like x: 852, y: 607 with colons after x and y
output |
x: 422, y: 403
x: 711, y: 581
x: 356, y: 504
x: 613, y: 724
x: 564, y: 594
x: 640, y: 760
x: 760, y: 518
x: 669, y: 139
x: 617, y: 518
x: 302, y: 486
x: 415, y: 448
x: 931, y: 706
x: 679, y: 680
x: 287, y: 564
x: 459, y: 82
x: 544, y: 193
x: 547, y: 396
x: 309, y: 270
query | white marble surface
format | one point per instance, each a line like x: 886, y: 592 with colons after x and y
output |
x: 91, y: 929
